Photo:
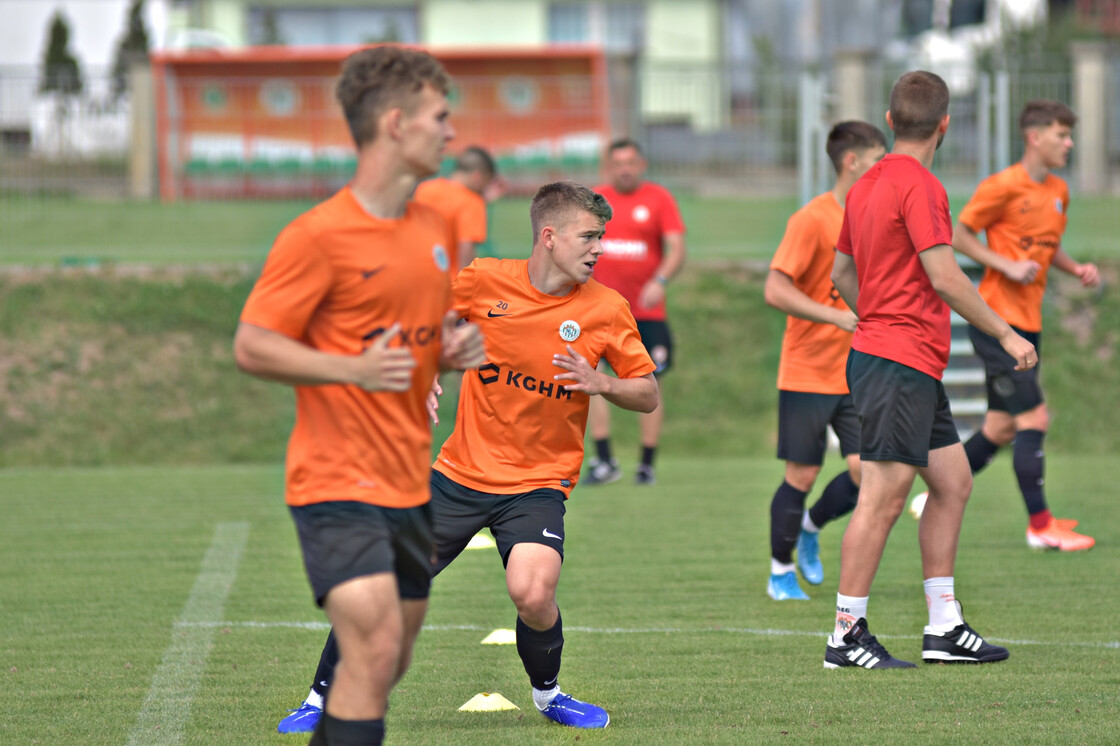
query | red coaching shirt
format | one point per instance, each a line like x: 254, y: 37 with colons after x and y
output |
x: 632, y: 246
x: 897, y: 210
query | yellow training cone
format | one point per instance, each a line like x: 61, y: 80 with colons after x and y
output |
x: 501, y: 637
x: 487, y: 702
x: 481, y: 541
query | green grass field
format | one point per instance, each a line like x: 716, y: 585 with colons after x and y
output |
x: 168, y: 605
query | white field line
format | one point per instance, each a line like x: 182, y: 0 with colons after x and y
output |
x: 757, y: 632
x: 176, y: 680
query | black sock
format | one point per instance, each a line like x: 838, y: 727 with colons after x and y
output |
x: 647, y: 455
x: 785, y: 521
x: 980, y: 451
x: 334, y: 732
x: 603, y: 450
x: 324, y: 674
x: 837, y: 500
x: 1029, y: 468
x: 540, y: 652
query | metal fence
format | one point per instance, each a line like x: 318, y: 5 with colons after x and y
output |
x: 704, y: 129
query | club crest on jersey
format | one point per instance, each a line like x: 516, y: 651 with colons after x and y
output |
x: 640, y: 214
x: 439, y: 254
x: 1058, y: 206
x: 569, y: 331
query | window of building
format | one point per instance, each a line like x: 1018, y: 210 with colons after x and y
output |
x: 314, y: 26
x: 618, y: 27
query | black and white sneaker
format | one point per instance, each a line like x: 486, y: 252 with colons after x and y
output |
x: 959, y: 645
x: 861, y: 649
x: 602, y: 472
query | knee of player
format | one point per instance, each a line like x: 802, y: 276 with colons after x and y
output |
x: 801, y: 476
x: 1034, y: 419
x: 536, y: 606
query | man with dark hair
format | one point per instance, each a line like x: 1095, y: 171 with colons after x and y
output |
x: 540, y: 315
x: 895, y: 265
x: 1023, y: 211
x: 644, y: 249
x: 352, y: 309
x: 812, y: 392
x: 461, y: 198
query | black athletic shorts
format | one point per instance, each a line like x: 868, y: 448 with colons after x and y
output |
x: 458, y: 513
x: 342, y: 540
x: 803, y: 419
x: 1009, y: 390
x: 903, y: 413
x: 659, y: 344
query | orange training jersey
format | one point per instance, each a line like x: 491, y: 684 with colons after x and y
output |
x: 1022, y: 219
x: 463, y: 209
x: 335, y: 279
x: 517, y: 428
x: 813, y: 355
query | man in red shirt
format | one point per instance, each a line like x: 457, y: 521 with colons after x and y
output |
x: 644, y: 249
x: 352, y: 309
x: 895, y: 266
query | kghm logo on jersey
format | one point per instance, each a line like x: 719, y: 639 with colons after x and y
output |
x: 439, y: 255
x: 569, y: 331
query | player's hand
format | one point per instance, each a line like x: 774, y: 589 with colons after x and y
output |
x: 1089, y: 275
x: 462, y: 344
x: 384, y: 368
x: 1026, y: 356
x: 432, y: 402
x: 652, y: 294
x: 846, y: 320
x: 585, y: 378
x: 1023, y: 271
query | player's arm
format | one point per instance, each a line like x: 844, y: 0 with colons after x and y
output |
x: 957, y: 290
x: 845, y: 278
x: 1088, y: 273
x: 781, y: 293
x: 268, y: 354
x: 653, y: 292
x: 638, y: 394
x: 968, y: 243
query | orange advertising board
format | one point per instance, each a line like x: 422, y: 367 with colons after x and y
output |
x: 264, y: 121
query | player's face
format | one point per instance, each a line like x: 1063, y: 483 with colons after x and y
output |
x: 625, y: 168
x: 1054, y: 143
x: 865, y: 159
x: 577, y: 246
x: 425, y: 131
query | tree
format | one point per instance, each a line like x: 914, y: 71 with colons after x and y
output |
x: 61, y: 72
x: 132, y: 47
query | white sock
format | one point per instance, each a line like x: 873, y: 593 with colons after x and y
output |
x: 314, y: 699
x: 780, y: 568
x: 942, y: 603
x: 849, y: 610
x: 541, y: 697
x: 808, y: 525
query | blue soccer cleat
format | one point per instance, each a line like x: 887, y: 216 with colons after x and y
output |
x: 784, y: 587
x: 575, y: 714
x: 303, y: 720
x: 809, y: 557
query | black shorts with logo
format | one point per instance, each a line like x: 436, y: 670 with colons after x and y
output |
x: 1009, y: 390
x: 803, y: 419
x: 904, y: 413
x: 458, y: 513
x: 659, y: 344
x: 344, y: 539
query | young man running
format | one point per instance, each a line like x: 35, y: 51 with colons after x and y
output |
x: 895, y: 265
x: 461, y: 198
x: 1022, y: 211
x: 517, y: 447
x: 352, y: 310
x: 812, y: 391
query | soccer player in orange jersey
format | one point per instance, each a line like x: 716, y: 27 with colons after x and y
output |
x: 812, y: 391
x: 352, y: 308
x: 1022, y: 211
x: 517, y: 447
x: 461, y: 198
